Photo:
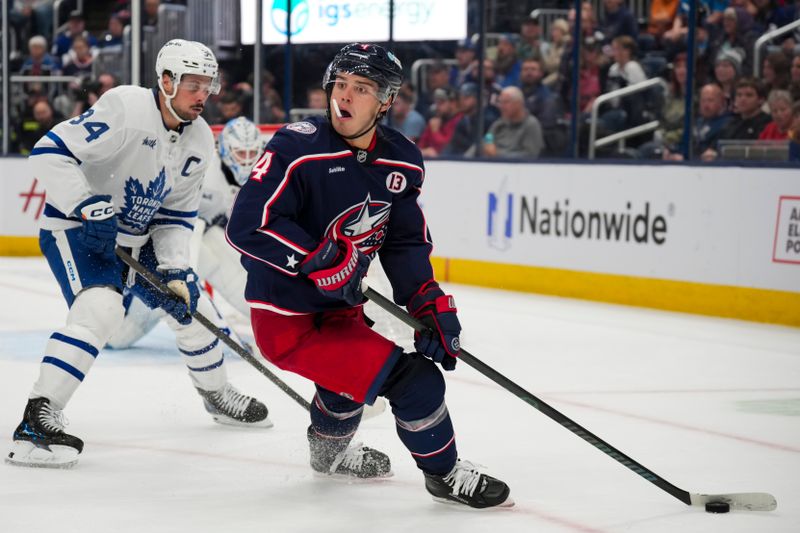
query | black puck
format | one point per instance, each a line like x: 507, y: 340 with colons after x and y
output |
x: 717, y: 507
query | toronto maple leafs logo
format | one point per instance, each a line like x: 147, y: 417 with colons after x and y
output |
x: 140, y: 205
x: 364, y: 224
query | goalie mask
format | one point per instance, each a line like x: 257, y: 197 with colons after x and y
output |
x: 240, y: 145
x: 180, y: 57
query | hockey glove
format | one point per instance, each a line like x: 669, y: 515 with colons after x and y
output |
x: 436, y: 310
x: 99, y: 230
x: 183, y: 283
x: 336, y: 268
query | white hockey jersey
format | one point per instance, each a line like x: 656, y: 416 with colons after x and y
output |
x: 121, y: 147
x: 218, y: 193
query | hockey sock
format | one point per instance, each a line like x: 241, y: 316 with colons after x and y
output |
x: 72, y: 350
x: 415, y: 388
x: 334, y: 421
x: 201, y: 350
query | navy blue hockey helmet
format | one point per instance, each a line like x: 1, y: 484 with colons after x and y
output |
x: 371, y: 61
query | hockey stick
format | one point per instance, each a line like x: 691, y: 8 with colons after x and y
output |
x: 221, y: 335
x: 749, y: 501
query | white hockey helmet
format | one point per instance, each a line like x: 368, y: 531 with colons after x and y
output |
x: 240, y: 146
x: 187, y: 57
x: 180, y: 57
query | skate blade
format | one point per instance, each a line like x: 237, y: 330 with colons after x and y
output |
x: 344, y: 478
x: 509, y: 502
x: 227, y: 421
x: 25, y: 453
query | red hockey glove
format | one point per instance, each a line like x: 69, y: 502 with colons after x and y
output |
x: 336, y: 268
x: 437, y: 310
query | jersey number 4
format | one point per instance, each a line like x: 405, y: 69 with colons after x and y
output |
x: 261, y: 167
x: 95, y: 129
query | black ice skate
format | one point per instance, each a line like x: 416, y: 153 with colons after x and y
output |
x: 338, y: 458
x: 230, y: 407
x: 467, y: 486
x: 40, y: 441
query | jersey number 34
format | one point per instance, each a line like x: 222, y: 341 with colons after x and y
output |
x: 95, y: 129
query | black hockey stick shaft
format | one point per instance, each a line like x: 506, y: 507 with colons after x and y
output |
x: 538, y: 404
x: 210, y: 326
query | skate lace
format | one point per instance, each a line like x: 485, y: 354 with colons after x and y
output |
x: 52, y: 420
x: 351, y: 457
x: 464, y: 478
x: 232, y: 401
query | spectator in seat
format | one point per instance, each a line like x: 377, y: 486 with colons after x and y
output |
x: 625, y: 71
x: 780, y: 107
x: 112, y: 38
x: 465, y: 66
x: 506, y: 66
x: 541, y: 102
x: 531, y: 44
x: 559, y: 41
x: 33, y: 128
x: 440, y: 128
x: 150, y: 13
x: 794, y: 85
x: 662, y: 15
x: 231, y: 105
x: 39, y: 62
x: 727, y: 69
x: 617, y: 20
x: 463, y: 140
x: 80, y: 58
x: 708, y: 127
x: 437, y: 77
x: 670, y: 132
x: 76, y: 25
x: 737, y: 25
x: 749, y: 120
x: 405, y: 118
x: 516, y: 133
x: 775, y: 72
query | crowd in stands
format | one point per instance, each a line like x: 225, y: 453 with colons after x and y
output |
x: 527, y: 93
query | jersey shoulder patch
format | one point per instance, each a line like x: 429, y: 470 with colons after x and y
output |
x: 303, y: 127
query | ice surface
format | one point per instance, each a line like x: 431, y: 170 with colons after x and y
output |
x: 711, y: 405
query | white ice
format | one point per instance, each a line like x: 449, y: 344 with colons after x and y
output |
x: 710, y: 405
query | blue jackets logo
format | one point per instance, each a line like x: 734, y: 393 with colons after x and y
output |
x: 300, y: 15
x: 364, y: 224
x: 140, y: 205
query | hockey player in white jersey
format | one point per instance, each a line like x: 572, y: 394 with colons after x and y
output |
x: 240, y: 145
x: 126, y: 172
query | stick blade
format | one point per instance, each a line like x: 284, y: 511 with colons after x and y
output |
x: 742, y: 501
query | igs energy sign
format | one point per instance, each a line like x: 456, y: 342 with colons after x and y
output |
x: 337, y: 21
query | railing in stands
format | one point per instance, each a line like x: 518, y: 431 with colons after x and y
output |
x: 767, y: 37
x: 619, y: 93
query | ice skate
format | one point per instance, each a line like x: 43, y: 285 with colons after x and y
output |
x: 331, y: 457
x: 466, y: 485
x: 40, y: 440
x: 230, y: 407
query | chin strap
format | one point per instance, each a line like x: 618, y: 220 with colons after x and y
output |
x: 168, y: 100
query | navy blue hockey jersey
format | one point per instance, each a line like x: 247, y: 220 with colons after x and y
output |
x: 309, y: 184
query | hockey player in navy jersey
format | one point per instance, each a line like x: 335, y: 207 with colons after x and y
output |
x: 325, y: 197
x: 126, y: 172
